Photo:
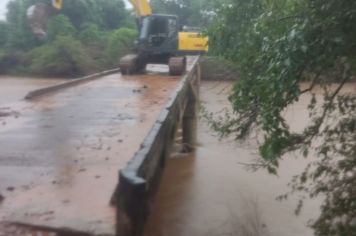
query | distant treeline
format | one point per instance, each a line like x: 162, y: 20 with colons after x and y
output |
x: 85, y: 36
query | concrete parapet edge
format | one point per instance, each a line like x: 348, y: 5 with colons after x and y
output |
x: 139, y: 181
x: 51, y: 89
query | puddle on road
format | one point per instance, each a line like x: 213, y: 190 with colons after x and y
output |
x: 211, y: 194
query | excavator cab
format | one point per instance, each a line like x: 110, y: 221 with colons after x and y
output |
x: 158, y: 31
x: 157, y: 44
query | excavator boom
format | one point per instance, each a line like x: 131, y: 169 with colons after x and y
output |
x: 142, y: 7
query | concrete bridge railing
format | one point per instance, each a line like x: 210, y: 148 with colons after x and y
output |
x: 139, y: 181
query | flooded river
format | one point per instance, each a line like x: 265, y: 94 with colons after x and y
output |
x: 13, y: 89
x: 211, y: 193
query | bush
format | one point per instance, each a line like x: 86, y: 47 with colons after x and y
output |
x: 63, y: 57
x: 91, y: 35
x: 9, y: 61
x: 121, y: 42
x: 60, y: 26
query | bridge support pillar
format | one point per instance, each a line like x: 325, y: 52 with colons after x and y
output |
x: 189, y: 122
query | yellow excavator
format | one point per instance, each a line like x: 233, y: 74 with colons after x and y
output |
x: 161, y: 38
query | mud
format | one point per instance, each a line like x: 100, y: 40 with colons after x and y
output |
x: 211, y: 193
x: 63, y: 152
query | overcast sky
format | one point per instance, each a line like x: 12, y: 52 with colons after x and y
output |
x: 3, y: 8
x: 4, y: 2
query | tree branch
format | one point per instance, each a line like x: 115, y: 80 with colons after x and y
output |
x: 321, y: 119
x: 311, y: 87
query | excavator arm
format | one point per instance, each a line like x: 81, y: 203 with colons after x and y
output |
x: 39, y: 13
x: 142, y: 7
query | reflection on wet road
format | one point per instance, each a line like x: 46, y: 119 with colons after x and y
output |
x: 211, y: 194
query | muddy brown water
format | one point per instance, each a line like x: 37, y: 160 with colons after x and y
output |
x: 13, y: 89
x: 211, y: 193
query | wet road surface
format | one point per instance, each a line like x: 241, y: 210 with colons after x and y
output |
x: 60, y: 154
x: 211, y: 193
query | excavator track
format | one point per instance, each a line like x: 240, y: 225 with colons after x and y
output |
x: 132, y: 64
x: 177, y: 65
x: 128, y: 64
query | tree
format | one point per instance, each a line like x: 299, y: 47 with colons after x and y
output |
x: 108, y: 14
x: 90, y: 21
x: 20, y: 36
x: 4, y: 33
x: 113, y: 14
x: 276, y: 45
x: 189, y: 12
x: 59, y: 25
x: 80, y: 11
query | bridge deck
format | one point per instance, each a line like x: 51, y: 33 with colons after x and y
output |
x: 60, y: 154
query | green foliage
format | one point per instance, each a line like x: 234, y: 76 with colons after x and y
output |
x: 80, y: 11
x: 276, y: 45
x: 120, y: 43
x: 90, y: 34
x: 89, y: 21
x: 4, y: 33
x: 20, y: 36
x: 59, y: 26
x: 113, y: 14
x: 65, y: 56
x: 189, y: 12
x: 108, y: 14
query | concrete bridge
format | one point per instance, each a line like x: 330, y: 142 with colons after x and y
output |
x: 85, y: 157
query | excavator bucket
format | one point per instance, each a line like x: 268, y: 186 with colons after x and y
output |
x: 38, y: 15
